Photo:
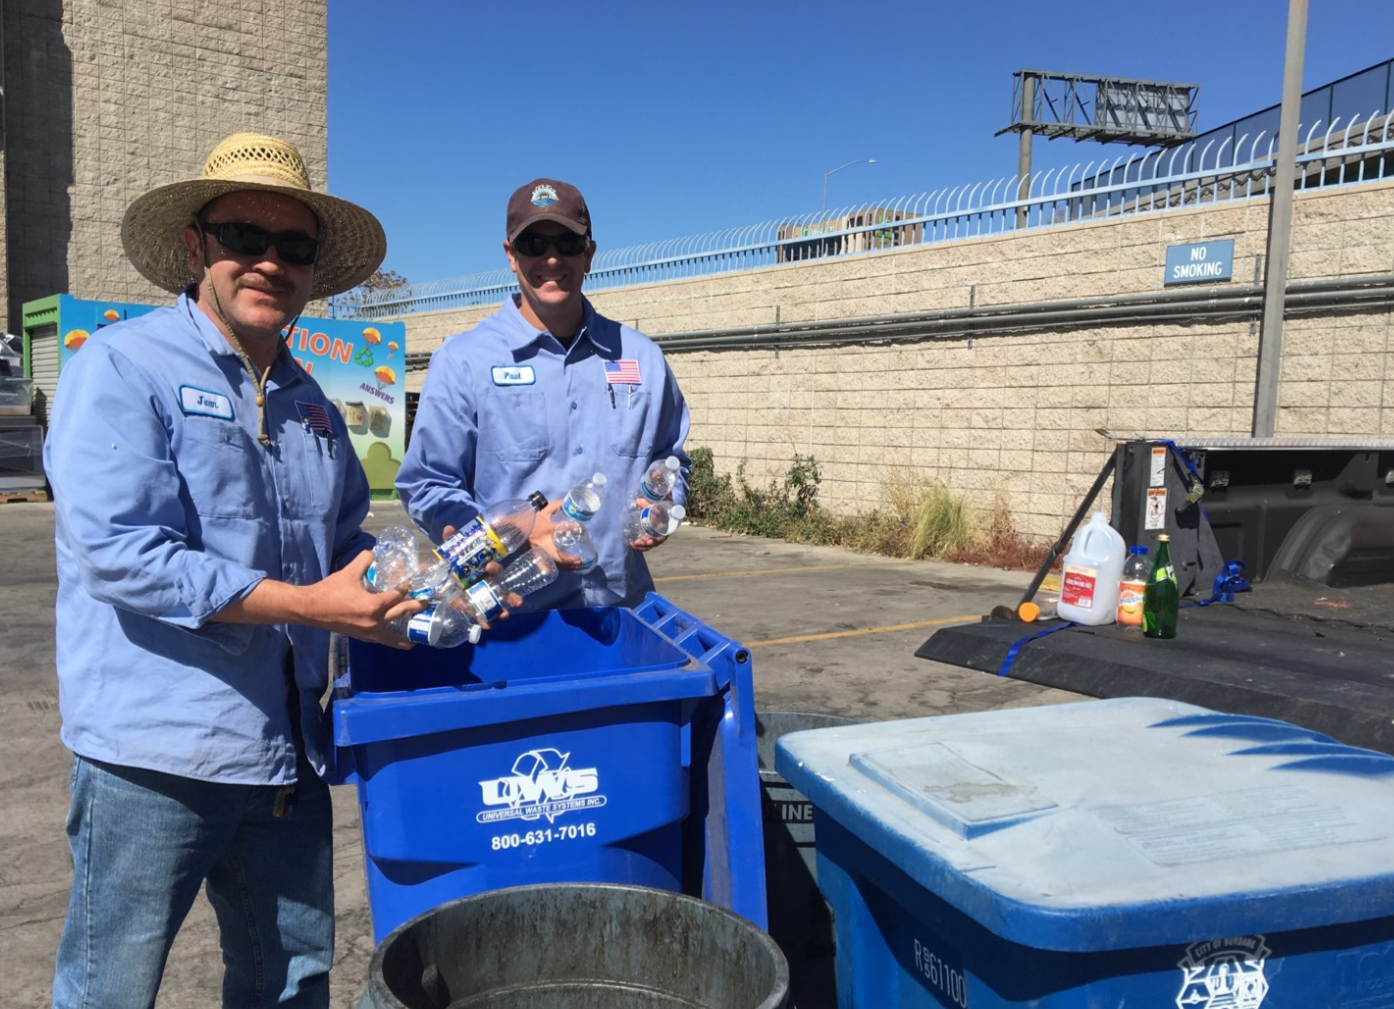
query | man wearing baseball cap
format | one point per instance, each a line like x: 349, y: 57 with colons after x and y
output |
x: 208, y: 509
x: 543, y: 394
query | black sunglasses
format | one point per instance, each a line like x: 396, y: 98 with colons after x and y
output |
x: 537, y: 245
x: 294, y: 247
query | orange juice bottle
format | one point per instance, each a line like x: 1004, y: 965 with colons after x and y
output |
x: 1131, y: 587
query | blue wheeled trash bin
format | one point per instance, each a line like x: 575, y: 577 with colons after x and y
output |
x: 1125, y: 852
x: 604, y: 745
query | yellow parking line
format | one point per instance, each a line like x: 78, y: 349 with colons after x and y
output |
x: 756, y: 571
x: 800, y: 639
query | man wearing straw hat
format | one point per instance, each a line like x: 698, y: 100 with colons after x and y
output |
x: 208, y: 539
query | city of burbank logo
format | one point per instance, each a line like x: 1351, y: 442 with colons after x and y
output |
x: 1224, y: 974
x: 541, y: 785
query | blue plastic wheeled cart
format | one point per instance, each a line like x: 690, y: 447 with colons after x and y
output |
x: 588, y: 745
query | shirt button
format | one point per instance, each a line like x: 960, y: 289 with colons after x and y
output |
x: 577, y: 450
x: 574, y: 405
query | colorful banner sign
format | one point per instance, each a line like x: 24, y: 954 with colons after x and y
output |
x: 360, y: 366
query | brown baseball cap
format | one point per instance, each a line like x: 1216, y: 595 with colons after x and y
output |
x: 548, y: 200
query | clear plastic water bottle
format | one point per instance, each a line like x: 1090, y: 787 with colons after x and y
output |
x: 660, y: 479
x: 528, y: 572
x: 659, y: 519
x: 572, y: 539
x: 456, y: 616
x: 492, y: 535
x: 584, y: 500
x: 396, y: 558
x: 440, y: 625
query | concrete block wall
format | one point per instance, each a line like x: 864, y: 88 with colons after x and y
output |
x: 109, y: 99
x: 1014, y: 417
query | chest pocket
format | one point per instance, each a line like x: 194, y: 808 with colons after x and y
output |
x: 513, y: 425
x: 633, y: 432
x: 221, y: 472
x: 315, y: 472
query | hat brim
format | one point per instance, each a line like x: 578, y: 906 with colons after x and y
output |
x: 542, y: 215
x: 352, y: 242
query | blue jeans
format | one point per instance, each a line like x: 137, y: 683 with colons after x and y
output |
x: 143, y: 843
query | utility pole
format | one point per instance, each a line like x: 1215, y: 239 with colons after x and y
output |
x: 1270, y: 340
x: 1023, y: 156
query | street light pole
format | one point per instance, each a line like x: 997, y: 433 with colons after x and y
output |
x: 862, y: 161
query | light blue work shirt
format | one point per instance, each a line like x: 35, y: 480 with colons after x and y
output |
x: 506, y: 410
x: 168, y: 510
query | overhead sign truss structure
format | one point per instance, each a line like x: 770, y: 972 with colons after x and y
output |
x: 1102, y: 109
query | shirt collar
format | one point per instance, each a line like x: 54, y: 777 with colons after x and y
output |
x: 213, y: 339
x: 522, y: 333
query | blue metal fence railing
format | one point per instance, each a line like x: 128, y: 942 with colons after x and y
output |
x: 1345, y: 152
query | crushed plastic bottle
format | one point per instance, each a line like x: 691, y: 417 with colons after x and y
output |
x: 456, y: 616
x: 530, y: 571
x: 572, y: 539
x: 584, y: 500
x: 492, y: 535
x: 440, y: 625
x: 657, y: 520
x: 396, y: 558
x: 660, y: 479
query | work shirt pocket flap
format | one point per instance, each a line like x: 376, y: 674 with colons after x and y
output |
x: 514, y: 424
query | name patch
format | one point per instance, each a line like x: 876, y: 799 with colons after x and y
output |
x: 516, y: 374
x: 202, y: 403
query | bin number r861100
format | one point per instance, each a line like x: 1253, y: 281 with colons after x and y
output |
x: 565, y: 832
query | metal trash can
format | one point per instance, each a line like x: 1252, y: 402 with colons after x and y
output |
x: 600, y: 744
x: 1133, y: 851
x: 800, y: 919
x: 578, y: 946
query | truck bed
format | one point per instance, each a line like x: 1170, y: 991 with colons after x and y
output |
x: 1318, y: 656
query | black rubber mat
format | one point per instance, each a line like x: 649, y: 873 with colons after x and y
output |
x: 1253, y: 657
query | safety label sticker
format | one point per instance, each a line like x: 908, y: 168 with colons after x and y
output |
x: 1157, y: 477
x: 1156, y: 517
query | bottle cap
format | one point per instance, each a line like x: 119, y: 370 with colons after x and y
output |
x: 1163, y: 538
x: 1137, y: 550
x: 538, y: 500
x: 599, y: 480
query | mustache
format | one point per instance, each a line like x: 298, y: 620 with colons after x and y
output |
x: 262, y: 282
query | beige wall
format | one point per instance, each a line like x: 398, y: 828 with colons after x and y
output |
x: 1014, y: 414
x: 106, y: 100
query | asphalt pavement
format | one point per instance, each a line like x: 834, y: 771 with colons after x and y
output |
x: 829, y: 631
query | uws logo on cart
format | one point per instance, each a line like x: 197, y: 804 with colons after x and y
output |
x: 1224, y: 974
x: 542, y: 784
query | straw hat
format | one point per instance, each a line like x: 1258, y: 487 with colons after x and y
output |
x: 352, y: 243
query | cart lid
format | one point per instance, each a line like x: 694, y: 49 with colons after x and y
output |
x: 1116, y: 823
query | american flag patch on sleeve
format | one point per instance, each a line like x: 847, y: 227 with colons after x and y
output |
x: 624, y: 372
x: 314, y: 417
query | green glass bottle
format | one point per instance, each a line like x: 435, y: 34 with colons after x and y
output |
x: 1160, y: 600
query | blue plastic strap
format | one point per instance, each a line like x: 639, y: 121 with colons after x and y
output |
x: 1183, y: 455
x: 1006, y: 666
x: 1180, y: 453
x: 1229, y: 581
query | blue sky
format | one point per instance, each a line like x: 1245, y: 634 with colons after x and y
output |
x: 680, y: 119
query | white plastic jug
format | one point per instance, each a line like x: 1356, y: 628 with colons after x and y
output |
x: 1089, y: 578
